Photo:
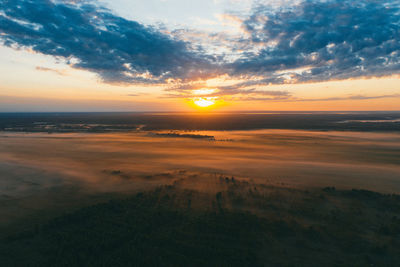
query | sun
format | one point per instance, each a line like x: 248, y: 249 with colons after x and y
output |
x: 204, y: 102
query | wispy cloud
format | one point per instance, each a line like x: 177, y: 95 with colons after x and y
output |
x: 59, y: 72
x: 290, y: 98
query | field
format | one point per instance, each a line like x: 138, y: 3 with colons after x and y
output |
x: 102, y: 196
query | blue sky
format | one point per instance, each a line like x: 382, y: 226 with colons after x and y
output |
x: 179, y: 13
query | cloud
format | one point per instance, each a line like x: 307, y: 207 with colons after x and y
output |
x: 48, y: 104
x: 137, y: 94
x: 92, y: 38
x: 237, y: 94
x: 290, y: 98
x: 352, y: 97
x: 332, y: 39
x: 293, y: 42
x: 201, y: 89
x: 59, y: 72
x: 311, y: 41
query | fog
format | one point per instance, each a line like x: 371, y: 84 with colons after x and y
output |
x: 129, y: 161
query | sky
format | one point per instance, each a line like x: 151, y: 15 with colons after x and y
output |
x: 177, y: 55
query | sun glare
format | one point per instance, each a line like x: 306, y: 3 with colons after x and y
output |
x: 203, y: 102
x: 203, y: 91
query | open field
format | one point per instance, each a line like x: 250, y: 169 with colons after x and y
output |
x: 243, y: 197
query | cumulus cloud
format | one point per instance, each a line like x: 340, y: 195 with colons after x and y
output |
x: 331, y: 39
x: 91, y: 37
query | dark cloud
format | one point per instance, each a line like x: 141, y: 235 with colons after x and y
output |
x: 333, y: 39
x: 92, y: 38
